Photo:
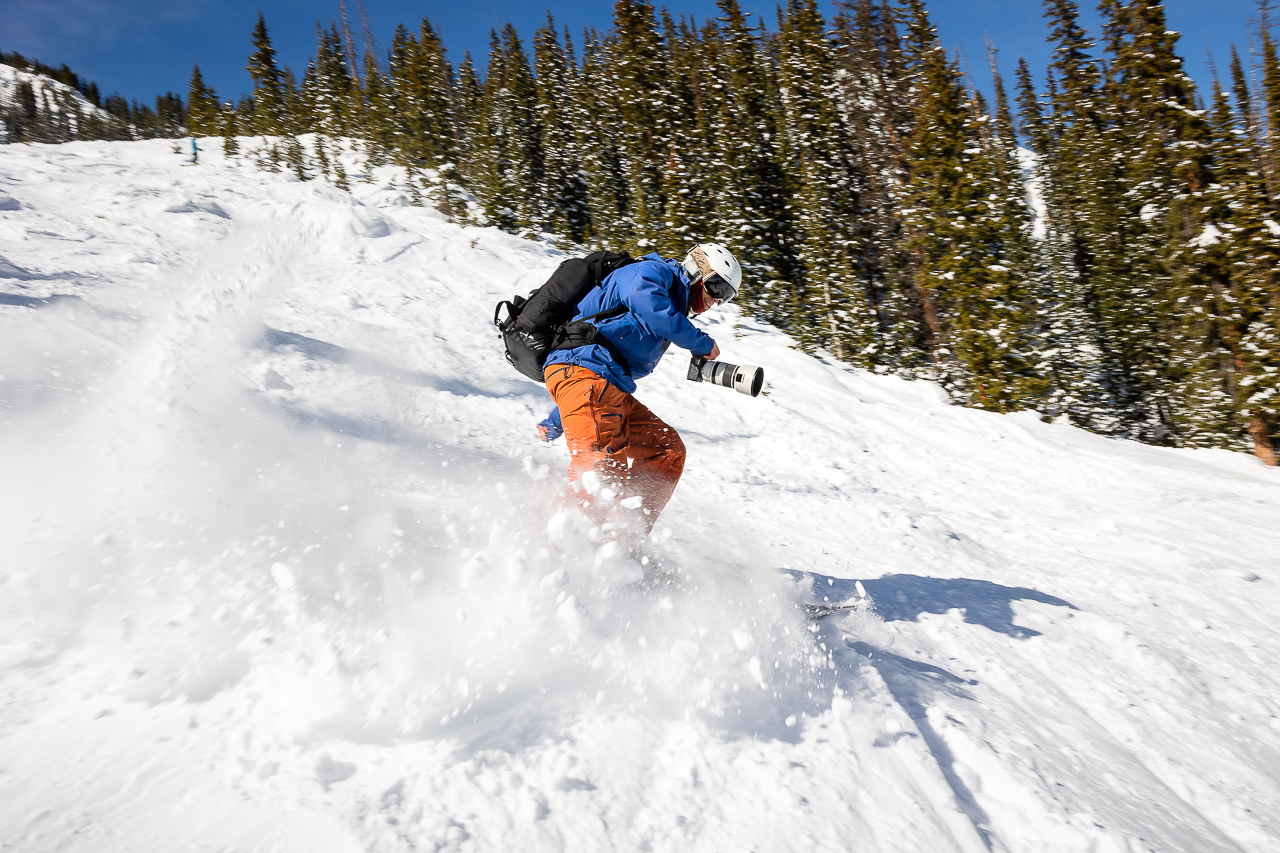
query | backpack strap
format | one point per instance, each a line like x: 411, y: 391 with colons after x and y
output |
x: 581, y: 333
x: 512, y: 313
x: 608, y: 314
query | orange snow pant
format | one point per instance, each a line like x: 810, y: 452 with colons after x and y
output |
x: 610, y: 432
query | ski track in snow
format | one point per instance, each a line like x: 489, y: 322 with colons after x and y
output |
x: 275, y: 573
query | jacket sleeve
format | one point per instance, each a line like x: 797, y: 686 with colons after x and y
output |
x: 554, y: 428
x: 646, y: 296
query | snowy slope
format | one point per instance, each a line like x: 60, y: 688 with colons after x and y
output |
x: 276, y: 571
x: 45, y: 87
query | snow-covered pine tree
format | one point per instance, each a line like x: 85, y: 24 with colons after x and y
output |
x: 596, y: 106
x: 230, y: 129
x: 1227, y: 350
x: 564, y: 185
x: 1208, y: 316
x: 203, y: 113
x: 636, y: 64
x: 828, y: 307
x: 1269, y: 96
x: 1250, y: 123
x: 1086, y: 263
x: 965, y: 234
x: 876, y: 103
x: 1255, y: 253
x: 686, y: 179
x: 328, y: 88
x: 1067, y: 330
x: 1165, y: 158
x: 748, y: 186
x: 1017, y: 375
x: 380, y: 116
x: 268, y: 87
x: 507, y: 170
x: 468, y: 119
x: 424, y: 97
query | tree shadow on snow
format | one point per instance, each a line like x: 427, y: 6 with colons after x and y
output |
x: 370, y: 365
x: 463, y: 462
x: 915, y: 684
x: 903, y: 598
x: 69, y: 301
x: 366, y: 430
x: 23, y: 301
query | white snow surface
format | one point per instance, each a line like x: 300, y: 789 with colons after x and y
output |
x: 281, y: 570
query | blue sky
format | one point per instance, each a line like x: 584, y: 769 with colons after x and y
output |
x: 140, y: 47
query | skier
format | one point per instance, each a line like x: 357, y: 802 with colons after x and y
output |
x: 621, y: 454
x: 195, y: 152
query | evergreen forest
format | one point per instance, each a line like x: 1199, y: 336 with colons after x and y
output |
x: 65, y: 107
x: 1097, y: 245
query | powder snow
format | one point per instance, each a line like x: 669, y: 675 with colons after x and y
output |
x: 281, y: 568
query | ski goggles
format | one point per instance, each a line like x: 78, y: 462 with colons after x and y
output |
x: 718, y: 288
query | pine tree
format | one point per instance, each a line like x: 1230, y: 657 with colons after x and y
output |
x: 1165, y: 177
x: 1018, y: 374
x: 595, y: 105
x: 203, y: 113
x: 564, y: 186
x: 828, y: 306
x: 469, y: 119
x: 935, y: 162
x: 339, y: 170
x: 637, y: 67
x: 1084, y: 251
x: 328, y: 88
x: 268, y: 89
x: 118, y: 108
x: 748, y: 184
x: 21, y: 117
x: 968, y: 231
x: 1269, y: 100
x: 1226, y: 341
x: 876, y: 102
x: 507, y: 174
x: 424, y: 97
x: 1067, y: 335
x: 322, y: 156
x: 230, y: 147
x: 686, y: 175
x: 381, y: 119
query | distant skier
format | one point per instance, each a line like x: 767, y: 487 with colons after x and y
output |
x: 195, y: 152
x: 635, y: 454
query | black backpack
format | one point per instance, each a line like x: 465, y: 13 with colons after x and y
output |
x: 536, y: 326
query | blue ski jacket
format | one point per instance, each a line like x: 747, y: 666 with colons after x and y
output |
x: 656, y: 292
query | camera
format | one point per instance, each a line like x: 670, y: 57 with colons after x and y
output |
x: 743, y: 378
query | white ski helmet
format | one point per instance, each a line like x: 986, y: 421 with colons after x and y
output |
x: 715, y: 266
